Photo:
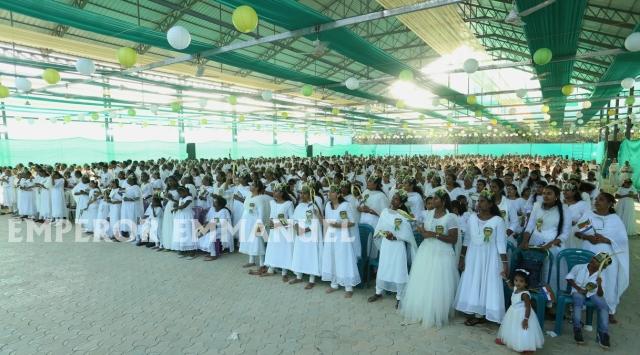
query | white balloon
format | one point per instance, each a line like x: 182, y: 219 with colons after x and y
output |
x: 470, y: 66
x: 223, y: 119
x: 352, y: 83
x: 53, y: 120
x: 628, y: 83
x: 397, y: 119
x: 632, y: 116
x: 178, y: 37
x: 267, y: 95
x: 435, y: 102
x: 586, y: 104
x: 85, y: 66
x: 579, y: 115
x: 80, y: 117
x: 309, y: 124
x: 521, y: 93
x: 153, y: 108
x: 262, y: 117
x: 367, y: 108
x: 307, y: 114
x: 202, y: 102
x: 23, y: 84
x: 450, y: 115
x: 580, y: 121
x: 632, y: 43
x: 512, y: 111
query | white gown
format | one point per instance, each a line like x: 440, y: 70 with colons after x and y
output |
x: 220, y: 219
x: 511, y: 332
x: 255, y: 221
x: 92, y: 211
x: 238, y: 207
x: 45, y: 198
x: 26, y: 202
x: 279, y: 251
x: 8, y: 191
x: 625, y: 208
x: 307, y: 249
x: 184, y: 238
x: 58, y: 204
x: 341, y: 248
x: 114, y: 213
x: 167, y: 220
x: 393, y: 273
x: 131, y: 210
x: 577, y: 210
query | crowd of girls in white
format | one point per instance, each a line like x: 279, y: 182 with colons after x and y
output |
x: 303, y: 215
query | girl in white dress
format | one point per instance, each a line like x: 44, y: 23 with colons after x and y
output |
x: 415, y: 204
x: 483, y: 258
x: 452, y: 187
x: 115, y: 206
x: 90, y: 213
x: 44, y: 192
x: 26, y: 200
x: 577, y: 209
x: 507, y: 211
x: 184, y: 238
x: 218, y: 219
x: 370, y: 204
x: 307, y: 248
x: 341, y: 248
x: 279, y: 252
x: 626, y: 206
x: 253, y: 229
x: 152, y: 226
x: 626, y: 172
x: 8, y: 191
x: 613, y: 172
x: 434, y: 274
x: 242, y: 192
x: 81, y: 195
x: 171, y: 197
x: 131, y: 209
x: 58, y: 204
x: 516, y: 332
x: 394, y: 237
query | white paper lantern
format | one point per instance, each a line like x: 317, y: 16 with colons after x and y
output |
x: 450, y: 115
x: 580, y: 121
x: 470, y: 66
x: 627, y: 83
x: 352, y: 83
x: 263, y: 117
x: 23, y: 84
x: 267, y: 95
x: 153, y: 108
x: 632, y: 116
x: 178, y: 37
x: 579, y: 115
x: 586, y: 104
x: 521, y: 93
x: 367, y: 108
x: 85, y: 66
x: 512, y: 111
x: 435, y: 102
x: 307, y: 114
x: 202, y: 103
x: 53, y: 120
x: 632, y: 43
x: 397, y: 119
x: 309, y: 124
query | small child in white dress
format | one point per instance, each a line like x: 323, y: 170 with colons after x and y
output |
x: 516, y: 332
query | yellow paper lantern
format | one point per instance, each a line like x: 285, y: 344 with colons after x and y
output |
x: 494, y: 121
x: 448, y: 124
x: 303, y: 129
x: 145, y: 124
x: 471, y: 100
x: 368, y: 126
x: 127, y: 57
x: 172, y: 123
x: 241, y: 118
x: 335, y: 111
x: 405, y: 126
x: 284, y: 115
x: 478, y: 113
x: 4, y: 92
x: 400, y: 104
x: 333, y: 129
x: 244, y: 18
x: 204, y: 121
x: 51, y: 76
x: 611, y: 112
x: 567, y: 89
x: 545, y: 109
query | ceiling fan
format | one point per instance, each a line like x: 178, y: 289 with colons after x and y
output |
x: 320, y: 49
x: 514, y: 17
x: 536, y: 76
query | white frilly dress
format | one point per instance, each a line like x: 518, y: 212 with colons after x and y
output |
x: 511, y: 332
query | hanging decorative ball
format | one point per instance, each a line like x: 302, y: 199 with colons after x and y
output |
x: 202, y: 102
x: 241, y: 118
x: 421, y: 117
x: 51, y: 76
x: 85, y: 66
x: 397, y: 120
x: 175, y: 107
x: 450, y: 115
x: 172, y: 123
x: 400, y: 104
x: 494, y: 121
x: 405, y: 126
x: 554, y: 123
x: 4, y: 92
x: 586, y: 104
x: 203, y: 121
x: 303, y: 129
x: 435, y: 102
x: 31, y: 121
x: 80, y: 117
x: 328, y: 123
x: 127, y: 57
x: 406, y: 75
x: 478, y: 113
x: 611, y: 112
x: 258, y: 126
x: 291, y: 125
x: 470, y: 66
x: 368, y: 127
x: 545, y: 109
x: 579, y: 115
x: 352, y: 83
x: 23, y: 84
x: 367, y: 108
x: 66, y: 119
x: 580, y: 121
x: 284, y: 115
x: 333, y: 129
x: 448, y: 124
x: 335, y: 111
x: 603, y: 119
x: 508, y: 126
x: 628, y: 83
x: 267, y: 95
x: 145, y: 124
x: 244, y: 18
x: 630, y: 100
x: 512, y: 111
x: 154, y: 109
x: 95, y: 116
x: 521, y: 93
x: 567, y: 89
x: 232, y: 100
x: 307, y: 90
x: 223, y: 119
x: 178, y: 37
x: 372, y: 121
x: 542, y: 56
x: 131, y: 112
x: 309, y: 124
x: 471, y: 99
x: 632, y: 43
x: 546, y: 117
x: 18, y: 118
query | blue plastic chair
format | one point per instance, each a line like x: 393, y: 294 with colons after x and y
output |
x: 538, y: 297
x: 366, y: 232
x: 573, y: 257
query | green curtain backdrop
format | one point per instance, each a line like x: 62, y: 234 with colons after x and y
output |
x: 630, y: 150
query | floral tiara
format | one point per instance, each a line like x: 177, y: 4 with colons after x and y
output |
x: 570, y: 187
x: 345, y: 183
x: 487, y: 194
x: 440, y: 193
x: 403, y: 195
x: 334, y: 188
x: 282, y: 187
x: 523, y: 271
x: 410, y: 179
x: 373, y: 177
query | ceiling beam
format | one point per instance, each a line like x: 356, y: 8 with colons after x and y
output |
x: 167, y: 22
x: 60, y: 30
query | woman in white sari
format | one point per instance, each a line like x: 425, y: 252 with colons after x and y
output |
x: 626, y: 206
x: 58, y: 205
x: 602, y: 231
x: 307, y: 248
x: 434, y: 274
x: 171, y: 197
x: 255, y: 220
x: 577, y: 208
x: 242, y: 192
x: 626, y: 172
x: 131, y: 209
x: 614, y: 167
x: 217, y: 220
x: 371, y: 203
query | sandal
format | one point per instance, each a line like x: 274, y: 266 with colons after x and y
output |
x: 397, y: 303
x: 374, y: 298
x: 470, y: 322
x: 499, y: 342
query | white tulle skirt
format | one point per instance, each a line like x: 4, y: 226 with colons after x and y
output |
x: 432, y: 285
x: 516, y: 338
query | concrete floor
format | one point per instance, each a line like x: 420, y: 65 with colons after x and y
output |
x: 115, y: 298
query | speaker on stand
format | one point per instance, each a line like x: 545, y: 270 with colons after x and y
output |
x: 191, y: 151
x: 309, y: 151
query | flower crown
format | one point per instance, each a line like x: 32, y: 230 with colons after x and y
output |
x: 627, y: 180
x: 487, y: 194
x: 187, y: 175
x: 404, y: 196
x: 436, y: 178
x: 334, y: 188
x: 84, y: 176
x: 282, y: 187
x: 574, y: 177
x: 208, y: 176
x: 132, y: 177
x: 470, y: 177
x: 603, y: 258
x: 410, y: 179
x: 246, y: 175
x: 570, y: 187
x: 158, y: 194
x: 306, y: 188
x: 523, y: 271
x: 373, y: 177
x: 270, y: 170
x: 345, y: 183
x: 440, y: 193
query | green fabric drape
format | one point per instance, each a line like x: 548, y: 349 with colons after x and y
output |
x: 630, y: 151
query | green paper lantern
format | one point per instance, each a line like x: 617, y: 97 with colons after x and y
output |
x: 203, y: 121
x: 4, y: 92
x: 67, y: 119
x: 284, y: 115
x: 406, y: 75
x: 131, y: 112
x: 471, y: 100
x: 232, y: 100
x: 554, y: 123
x: 335, y: 111
x: 307, y: 90
x: 478, y: 113
x: 127, y: 57
x: 542, y: 56
x: 371, y: 121
x: 95, y: 116
x: 400, y: 104
x: 145, y: 124
x: 51, y: 76
x: 328, y: 123
x: 244, y: 18
x: 258, y: 126
x: 175, y: 107
x: 568, y: 89
x: 291, y: 125
x: 421, y: 117
x: 241, y: 118
x: 630, y: 100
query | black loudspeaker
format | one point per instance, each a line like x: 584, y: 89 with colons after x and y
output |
x: 309, y: 151
x: 612, y: 149
x: 191, y: 151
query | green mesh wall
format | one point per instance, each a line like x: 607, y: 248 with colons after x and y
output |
x: 630, y: 150
x: 81, y: 150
